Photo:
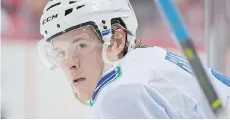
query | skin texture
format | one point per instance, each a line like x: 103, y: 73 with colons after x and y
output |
x: 80, y: 54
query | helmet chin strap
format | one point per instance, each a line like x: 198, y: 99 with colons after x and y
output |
x: 108, y: 64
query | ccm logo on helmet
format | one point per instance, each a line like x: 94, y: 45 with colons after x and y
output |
x: 49, y: 19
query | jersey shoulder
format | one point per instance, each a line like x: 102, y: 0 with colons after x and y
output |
x: 138, y: 66
x: 143, y: 101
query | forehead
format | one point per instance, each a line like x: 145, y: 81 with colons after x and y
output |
x: 82, y: 32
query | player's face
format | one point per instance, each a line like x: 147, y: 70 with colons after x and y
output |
x: 80, y: 55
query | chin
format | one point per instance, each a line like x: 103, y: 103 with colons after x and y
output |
x: 84, y: 97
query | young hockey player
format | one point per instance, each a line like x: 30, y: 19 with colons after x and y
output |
x: 94, y: 43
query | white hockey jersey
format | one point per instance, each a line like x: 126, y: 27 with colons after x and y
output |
x: 154, y: 83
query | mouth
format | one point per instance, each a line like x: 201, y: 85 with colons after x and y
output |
x: 78, y: 80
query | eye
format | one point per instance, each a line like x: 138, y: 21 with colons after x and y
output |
x: 81, y: 46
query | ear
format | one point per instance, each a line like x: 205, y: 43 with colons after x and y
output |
x: 117, y: 44
x: 119, y: 40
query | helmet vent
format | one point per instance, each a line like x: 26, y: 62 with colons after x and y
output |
x: 71, y: 2
x: 68, y: 11
x: 80, y: 6
x: 53, y: 6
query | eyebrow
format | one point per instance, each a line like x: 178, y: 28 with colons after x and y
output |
x: 78, y: 38
x: 75, y: 39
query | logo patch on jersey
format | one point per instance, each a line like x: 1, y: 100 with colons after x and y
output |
x: 105, y: 80
x: 179, y: 61
x: 221, y: 77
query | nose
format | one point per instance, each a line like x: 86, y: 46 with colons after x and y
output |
x: 73, y: 67
x: 72, y: 63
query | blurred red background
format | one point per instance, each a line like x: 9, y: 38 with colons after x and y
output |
x: 20, y: 21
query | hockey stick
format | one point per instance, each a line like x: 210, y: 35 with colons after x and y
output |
x: 181, y: 35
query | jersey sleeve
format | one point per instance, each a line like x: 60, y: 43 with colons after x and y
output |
x: 178, y: 70
x: 222, y: 86
x: 136, y: 101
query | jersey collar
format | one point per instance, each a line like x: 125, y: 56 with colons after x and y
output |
x: 105, y: 80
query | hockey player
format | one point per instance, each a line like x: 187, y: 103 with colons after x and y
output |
x: 93, y: 42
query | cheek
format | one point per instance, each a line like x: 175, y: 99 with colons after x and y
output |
x: 62, y: 66
x: 93, y: 60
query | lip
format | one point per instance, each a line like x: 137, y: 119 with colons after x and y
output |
x: 79, y: 80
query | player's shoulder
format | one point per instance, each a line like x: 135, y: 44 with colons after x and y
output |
x: 135, y: 69
x: 122, y: 94
x: 116, y: 92
x: 151, y: 52
x: 145, y: 56
x: 128, y: 101
x: 134, y: 98
x: 132, y: 90
x: 163, y: 60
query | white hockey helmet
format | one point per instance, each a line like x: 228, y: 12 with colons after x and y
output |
x: 61, y: 16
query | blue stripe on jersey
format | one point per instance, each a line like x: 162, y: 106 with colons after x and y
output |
x: 179, y: 61
x: 221, y: 77
x: 105, y: 80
